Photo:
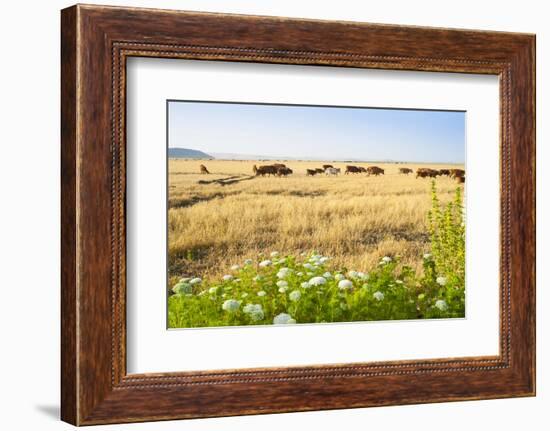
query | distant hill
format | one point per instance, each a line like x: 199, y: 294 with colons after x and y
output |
x: 238, y: 156
x: 187, y: 153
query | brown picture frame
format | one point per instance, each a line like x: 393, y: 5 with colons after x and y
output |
x: 95, y: 43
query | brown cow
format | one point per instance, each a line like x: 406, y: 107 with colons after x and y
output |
x: 352, y: 170
x: 362, y: 170
x: 311, y: 172
x: 325, y: 167
x: 453, y: 173
x: 284, y: 172
x: 426, y: 173
x: 446, y: 172
x: 279, y: 165
x: 405, y: 171
x: 319, y: 170
x: 375, y: 170
x: 264, y: 170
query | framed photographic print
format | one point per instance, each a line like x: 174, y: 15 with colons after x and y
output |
x: 267, y: 215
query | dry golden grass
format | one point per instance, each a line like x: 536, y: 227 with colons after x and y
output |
x: 354, y: 219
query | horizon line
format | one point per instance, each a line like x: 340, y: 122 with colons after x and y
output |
x: 261, y: 157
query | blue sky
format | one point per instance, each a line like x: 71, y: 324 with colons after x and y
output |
x: 329, y: 133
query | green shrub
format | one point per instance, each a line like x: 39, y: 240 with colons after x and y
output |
x: 447, y: 235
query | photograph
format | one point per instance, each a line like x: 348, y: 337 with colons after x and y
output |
x: 291, y: 214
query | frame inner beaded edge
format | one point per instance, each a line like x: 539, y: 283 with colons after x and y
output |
x: 120, y: 380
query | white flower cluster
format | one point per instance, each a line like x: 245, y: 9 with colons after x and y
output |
x: 317, y: 281
x: 182, y: 288
x: 283, y: 319
x: 231, y: 305
x: 284, y: 273
x: 345, y: 284
x: 379, y: 296
x: 282, y: 285
x: 441, y: 305
x: 317, y: 259
x: 255, y: 311
x: 295, y: 295
x: 358, y: 274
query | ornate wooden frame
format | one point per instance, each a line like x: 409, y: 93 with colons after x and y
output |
x: 96, y: 41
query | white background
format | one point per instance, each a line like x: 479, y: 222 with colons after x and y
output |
x: 151, y: 348
x: 29, y: 220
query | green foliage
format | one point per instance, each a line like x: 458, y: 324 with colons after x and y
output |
x: 304, y: 290
x: 447, y: 234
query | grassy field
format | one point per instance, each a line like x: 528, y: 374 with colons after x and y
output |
x: 248, y: 250
x: 354, y: 219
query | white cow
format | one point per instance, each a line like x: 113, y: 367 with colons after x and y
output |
x: 332, y: 171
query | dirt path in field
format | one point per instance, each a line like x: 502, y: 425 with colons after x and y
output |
x: 228, y: 180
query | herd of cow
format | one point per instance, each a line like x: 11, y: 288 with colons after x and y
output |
x: 281, y: 170
x: 458, y: 174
